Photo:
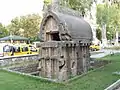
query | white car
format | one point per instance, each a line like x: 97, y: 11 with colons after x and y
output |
x: 35, y: 44
x: 1, y: 50
x: 2, y: 45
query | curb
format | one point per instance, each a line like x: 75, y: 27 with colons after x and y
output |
x: 31, y: 76
x: 114, y: 86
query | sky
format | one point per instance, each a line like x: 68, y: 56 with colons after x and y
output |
x: 10, y: 9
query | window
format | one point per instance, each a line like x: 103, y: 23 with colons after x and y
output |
x: 18, y: 49
x: 55, y: 37
x: 24, y: 49
x: 6, y: 48
x: 33, y: 49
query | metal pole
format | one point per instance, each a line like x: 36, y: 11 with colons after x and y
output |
x: 11, y: 41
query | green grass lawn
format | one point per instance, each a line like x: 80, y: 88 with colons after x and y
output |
x: 97, y: 80
x: 114, y: 58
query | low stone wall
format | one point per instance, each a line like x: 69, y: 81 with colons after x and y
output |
x: 28, y: 68
x: 6, y: 61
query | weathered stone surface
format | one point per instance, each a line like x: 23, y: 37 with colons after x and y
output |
x: 70, y: 27
x: 63, y: 61
x: 65, y: 50
x: 26, y: 68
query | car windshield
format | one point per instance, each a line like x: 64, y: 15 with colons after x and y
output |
x: 17, y: 48
x: 6, y: 48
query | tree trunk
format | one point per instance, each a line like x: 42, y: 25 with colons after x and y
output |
x: 104, y: 39
x: 116, y: 38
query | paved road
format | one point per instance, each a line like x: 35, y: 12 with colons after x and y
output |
x: 104, y: 53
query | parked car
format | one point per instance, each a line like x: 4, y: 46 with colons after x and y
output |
x: 17, y: 49
x: 94, y: 47
x: 4, y: 47
x: 36, y: 44
x: 1, y: 50
x: 24, y: 49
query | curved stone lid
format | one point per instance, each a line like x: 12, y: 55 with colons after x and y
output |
x: 76, y: 28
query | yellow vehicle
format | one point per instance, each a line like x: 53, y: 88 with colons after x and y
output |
x: 33, y: 49
x: 15, y: 50
x: 94, y: 47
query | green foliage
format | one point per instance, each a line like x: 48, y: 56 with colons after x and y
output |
x: 47, y: 2
x: 102, y: 14
x: 115, y: 14
x: 79, y: 5
x: 109, y: 15
x: 14, y: 26
x: 110, y: 33
x: 98, y: 33
x: 3, y: 31
x: 30, y: 24
x: 116, y: 2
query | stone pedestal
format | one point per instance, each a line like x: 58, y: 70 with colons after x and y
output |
x: 62, y: 60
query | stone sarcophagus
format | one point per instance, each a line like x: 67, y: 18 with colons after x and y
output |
x: 64, y: 52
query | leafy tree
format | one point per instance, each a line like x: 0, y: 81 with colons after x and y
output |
x: 3, y: 31
x: 108, y: 14
x: 29, y: 24
x: 116, y: 20
x: 14, y: 26
x: 79, y: 5
x: 47, y: 2
x: 105, y: 15
x: 102, y: 20
x: 98, y: 33
x: 102, y: 14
